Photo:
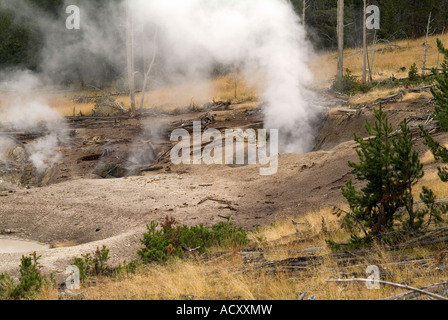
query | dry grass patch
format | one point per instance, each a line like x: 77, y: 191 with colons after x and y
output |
x: 285, y: 233
x: 167, y: 99
x: 389, y: 58
x: 428, y: 157
x: 432, y: 180
x: 226, y: 275
x: 371, y: 96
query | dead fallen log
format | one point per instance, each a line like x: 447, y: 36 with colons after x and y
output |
x: 291, y: 264
x: 420, y: 89
x: 23, y: 135
x: 347, y: 110
x: 92, y: 157
x: 400, y: 94
x: 228, y: 204
x: 304, y: 262
x: 218, y: 105
x: 399, y: 264
x: 433, y: 295
x: 392, y: 97
x: 431, y: 237
x: 137, y: 169
x: 438, y: 288
x: 205, y: 119
x: 86, y: 99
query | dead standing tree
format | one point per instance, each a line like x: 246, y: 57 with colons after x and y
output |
x: 426, y: 45
x: 340, y: 73
x: 304, y: 7
x: 364, y: 44
x: 130, y: 55
x: 148, y: 72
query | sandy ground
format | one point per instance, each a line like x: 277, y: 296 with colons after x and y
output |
x: 86, y: 212
x: 93, y: 212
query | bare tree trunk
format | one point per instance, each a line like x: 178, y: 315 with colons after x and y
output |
x: 438, y: 52
x: 130, y: 56
x: 146, y: 77
x: 235, y: 79
x: 340, y: 73
x: 375, y: 39
x: 304, y: 12
x: 426, y: 45
x: 364, y: 44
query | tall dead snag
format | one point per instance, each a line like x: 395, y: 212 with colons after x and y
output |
x: 375, y: 40
x: 340, y: 73
x: 148, y: 72
x: 305, y: 2
x: 426, y: 45
x: 130, y: 56
x: 364, y: 44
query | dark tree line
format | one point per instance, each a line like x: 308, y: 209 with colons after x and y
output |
x: 33, y: 36
x: 22, y: 43
x: 400, y: 19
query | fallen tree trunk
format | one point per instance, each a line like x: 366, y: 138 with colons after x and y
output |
x: 433, y: 295
x: 438, y: 288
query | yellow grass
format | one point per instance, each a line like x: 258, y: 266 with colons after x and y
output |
x: 165, y: 99
x: 412, y: 96
x: 428, y: 157
x: 222, y: 278
x: 64, y: 244
x: 388, y: 60
x: 432, y: 180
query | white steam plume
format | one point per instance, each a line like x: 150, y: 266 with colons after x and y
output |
x: 264, y: 36
x: 194, y: 36
x: 23, y: 110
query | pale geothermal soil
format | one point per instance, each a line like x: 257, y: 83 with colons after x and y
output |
x: 83, y: 212
x: 115, y: 212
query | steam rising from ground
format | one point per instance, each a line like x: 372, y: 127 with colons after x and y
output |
x: 24, y: 111
x: 264, y: 39
x: 257, y: 36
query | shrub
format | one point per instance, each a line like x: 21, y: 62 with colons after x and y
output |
x: 355, y: 243
x: 127, y: 269
x: 440, y: 94
x: 413, y: 73
x: 440, y: 91
x: 90, y: 266
x: 6, y: 286
x: 30, y: 281
x: 389, y: 168
x: 225, y: 235
x: 171, y: 240
x: 346, y: 83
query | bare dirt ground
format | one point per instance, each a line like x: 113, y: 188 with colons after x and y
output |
x: 79, y: 211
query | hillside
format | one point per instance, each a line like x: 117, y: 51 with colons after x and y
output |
x: 76, y: 211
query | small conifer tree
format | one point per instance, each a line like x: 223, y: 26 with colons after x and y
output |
x: 390, y: 168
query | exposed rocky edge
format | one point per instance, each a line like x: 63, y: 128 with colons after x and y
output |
x: 16, y: 169
x: 143, y: 157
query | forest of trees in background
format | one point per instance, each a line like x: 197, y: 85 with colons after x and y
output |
x: 21, y: 42
x: 400, y: 19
